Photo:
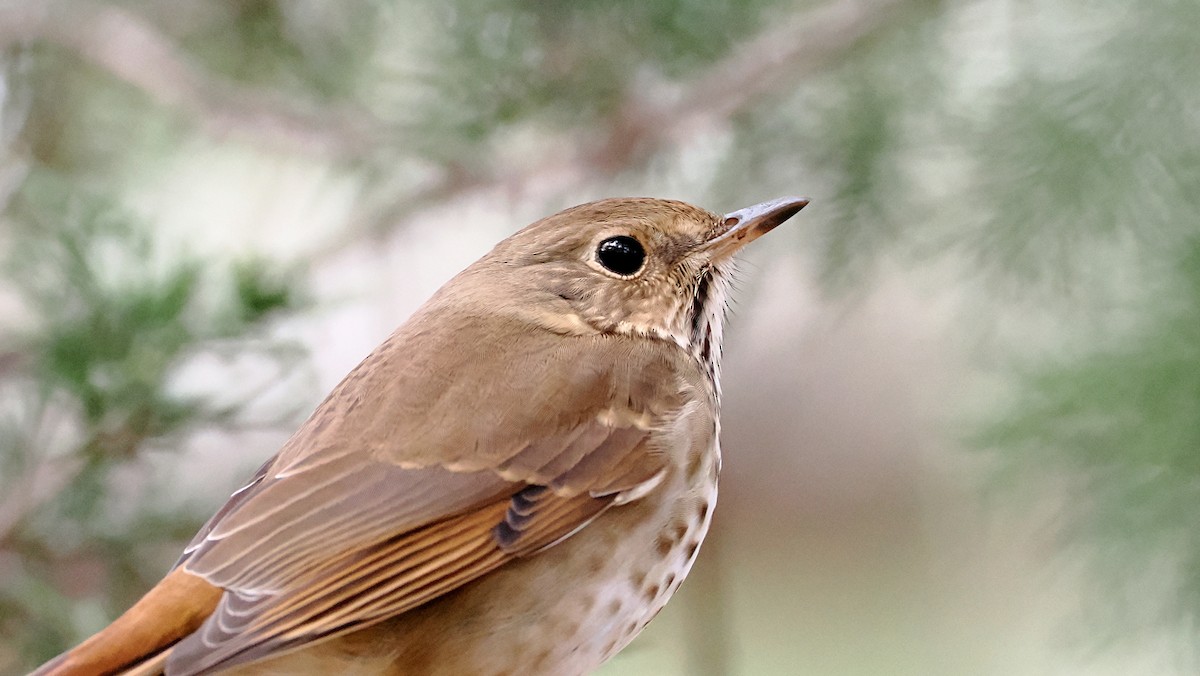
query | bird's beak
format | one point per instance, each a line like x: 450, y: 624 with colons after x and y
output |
x: 738, y: 228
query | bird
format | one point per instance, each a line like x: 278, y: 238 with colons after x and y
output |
x: 514, y: 482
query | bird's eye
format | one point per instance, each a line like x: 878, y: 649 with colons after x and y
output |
x: 622, y: 254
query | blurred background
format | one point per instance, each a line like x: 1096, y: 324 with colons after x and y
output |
x: 962, y: 390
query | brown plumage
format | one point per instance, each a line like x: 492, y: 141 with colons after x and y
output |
x: 514, y: 482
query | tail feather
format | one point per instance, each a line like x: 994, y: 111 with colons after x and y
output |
x: 138, y: 642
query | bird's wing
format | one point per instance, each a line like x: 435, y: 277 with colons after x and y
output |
x: 365, y: 522
x: 409, y: 481
x: 312, y: 578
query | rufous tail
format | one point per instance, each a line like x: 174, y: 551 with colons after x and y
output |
x: 138, y: 642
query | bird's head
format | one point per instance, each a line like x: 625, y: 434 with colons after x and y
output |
x: 639, y: 266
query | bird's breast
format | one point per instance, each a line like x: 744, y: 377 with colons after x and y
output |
x: 565, y: 610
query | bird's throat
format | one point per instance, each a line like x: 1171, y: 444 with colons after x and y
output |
x: 707, y: 314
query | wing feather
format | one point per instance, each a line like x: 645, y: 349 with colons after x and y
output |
x: 248, y: 627
x: 365, y: 515
x: 375, y: 502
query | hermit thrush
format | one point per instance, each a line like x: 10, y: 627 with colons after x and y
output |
x: 515, y: 482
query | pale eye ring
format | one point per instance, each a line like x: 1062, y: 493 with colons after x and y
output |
x: 622, y: 255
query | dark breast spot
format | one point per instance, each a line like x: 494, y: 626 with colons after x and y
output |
x: 596, y: 564
x: 638, y: 578
x: 680, y: 529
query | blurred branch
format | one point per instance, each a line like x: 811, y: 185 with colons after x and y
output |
x: 42, y: 481
x: 131, y: 49
x: 40, y: 478
x: 11, y: 361
x: 763, y: 66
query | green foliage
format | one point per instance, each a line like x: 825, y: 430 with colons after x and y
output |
x: 309, y: 49
x: 1083, y: 162
x: 262, y: 291
x: 1093, y: 155
x: 565, y: 65
x: 92, y: 388
x: 1122, y: 427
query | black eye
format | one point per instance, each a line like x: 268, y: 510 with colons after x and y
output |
x: 623, y: 255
